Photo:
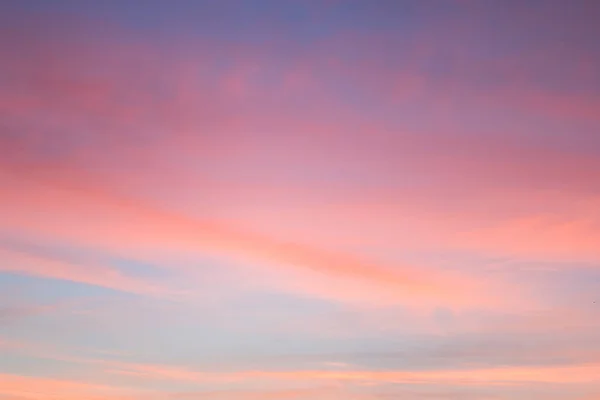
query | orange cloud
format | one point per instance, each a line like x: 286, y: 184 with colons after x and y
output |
x: 35, y: 388
x: 499, y: 376
x: 571, y: 374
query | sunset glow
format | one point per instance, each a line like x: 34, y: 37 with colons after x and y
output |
x: 300, y: 199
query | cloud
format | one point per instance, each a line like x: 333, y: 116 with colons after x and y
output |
x: 173, y: 121
x: 12, y: 313
x: 25, y: 258
x: 474, y: 361
x: 351, y: 166
x: 121, y: 224
x: 582, y: 374
x: 325, y: 381
x: 35, y: 388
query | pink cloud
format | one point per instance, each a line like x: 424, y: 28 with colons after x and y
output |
x: 117, y: 223
x: 323, y: 183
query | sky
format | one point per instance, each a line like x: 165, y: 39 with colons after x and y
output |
x: 299, y: 199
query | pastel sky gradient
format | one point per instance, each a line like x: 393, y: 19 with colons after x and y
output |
x: 299, y: 199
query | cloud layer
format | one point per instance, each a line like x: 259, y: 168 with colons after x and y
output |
x: 299, y: 199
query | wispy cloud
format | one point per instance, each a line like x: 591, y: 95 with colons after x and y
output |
x: 33, y: 260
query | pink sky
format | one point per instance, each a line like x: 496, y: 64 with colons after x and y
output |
x: 299, y: 200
